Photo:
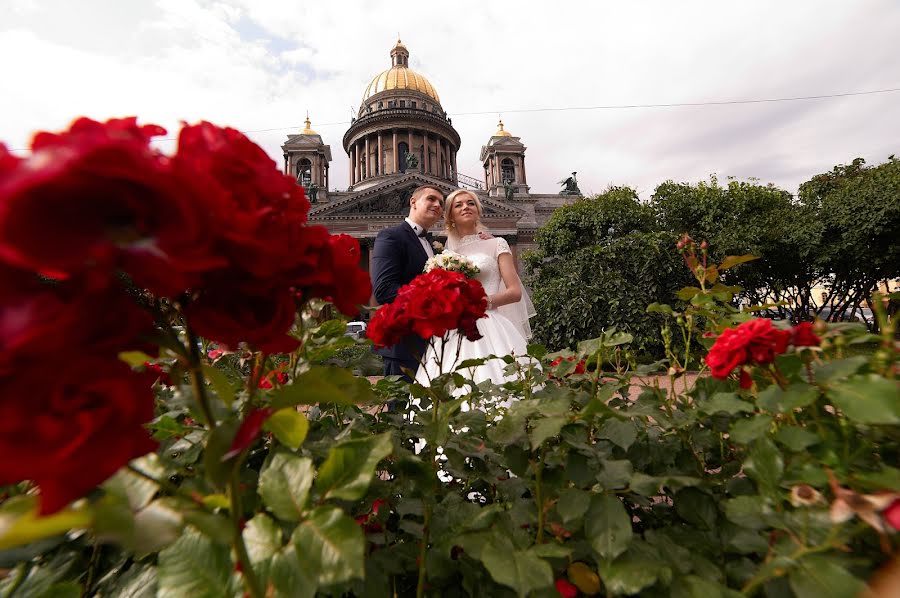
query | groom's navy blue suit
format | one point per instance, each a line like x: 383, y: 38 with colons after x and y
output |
x: 397, y: 258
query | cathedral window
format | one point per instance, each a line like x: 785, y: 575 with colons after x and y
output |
x: 412, y: 104
x: 507, y: 171
x: 403, y: 103
x: 304, y: 172
x: 391, y: 103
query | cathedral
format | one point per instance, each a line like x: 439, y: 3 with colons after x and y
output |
x: 400, y: 139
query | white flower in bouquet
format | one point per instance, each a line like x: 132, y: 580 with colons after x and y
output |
x: 452, y: 262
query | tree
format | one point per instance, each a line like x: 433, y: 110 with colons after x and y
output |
x: 599, y: 263
x: 745, y: 217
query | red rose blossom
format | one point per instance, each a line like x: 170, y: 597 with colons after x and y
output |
x: 754, y: 341
x: 431, y: 305
x: 98, y: 195
x: 565, y: 588
x: 77, y: 427
x: 803, y: 336
x: 892, y: 515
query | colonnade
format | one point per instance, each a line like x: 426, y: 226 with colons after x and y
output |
x: 378, y: 153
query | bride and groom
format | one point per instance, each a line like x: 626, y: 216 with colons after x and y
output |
x: 400, y: 254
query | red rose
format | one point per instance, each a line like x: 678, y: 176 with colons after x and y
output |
x: 341, y: 280
x: 39, y: 318
x: 565, y: 588
x: 231, y: 315
x: 259, y: 211
x: 7, y: 160
x: 99, y: 195
x: 892, y: 514
x: 803, y: 336
x: 79, y: 424
x: 754, y: 341
x: 388, y: 326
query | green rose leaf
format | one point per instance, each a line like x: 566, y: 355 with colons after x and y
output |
x: 795, y: 438
x: 821, y: 577
x: 322, y: 384
x: 746, y: 431
x: 621, y: 433
x: 608, y: 526
x: 350, y: 465
x: 572, y: 503
x: 868, y: 399
x: 777, y: 400
x: 697, y: 507
x: 545, y: 428
x: 329, y: 546
x: 626, y: 577
x: 289, y: 426
x: 262, y: 537
x: 284, y: 485
x: 727, y: 402
x: 288, y: 578
x: 220, y: 383
x: 20, y: 523
x: 839, y: 369
x: 518, y: 569
x: 765, y: 465
x: 195, y: 567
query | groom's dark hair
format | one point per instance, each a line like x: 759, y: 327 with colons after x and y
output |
x: 419, y: 190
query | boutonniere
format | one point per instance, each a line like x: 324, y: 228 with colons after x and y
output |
x: 437, y: 246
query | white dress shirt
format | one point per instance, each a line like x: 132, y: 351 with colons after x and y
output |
x: 429, y: 250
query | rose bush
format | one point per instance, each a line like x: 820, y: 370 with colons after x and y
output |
x: 280, y: 474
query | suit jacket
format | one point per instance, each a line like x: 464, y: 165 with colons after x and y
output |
x: 397, y: 258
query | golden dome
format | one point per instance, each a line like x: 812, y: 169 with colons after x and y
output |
x: 400, y: 77
x: 500, y: 132
x: 307, y: 130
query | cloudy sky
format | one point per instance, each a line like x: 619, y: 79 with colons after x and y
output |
x: 259, y: 65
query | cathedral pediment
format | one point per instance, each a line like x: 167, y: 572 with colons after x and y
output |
x: 389, y: 200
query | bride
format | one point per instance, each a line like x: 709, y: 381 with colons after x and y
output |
x: 505, y: 330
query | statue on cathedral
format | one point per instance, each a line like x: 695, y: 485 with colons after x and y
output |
x: 313, y: 191
x: 570, y: 186
x: 412, y: 162
x: 508, y: 189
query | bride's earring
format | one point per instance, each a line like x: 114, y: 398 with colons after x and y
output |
x: 452, y: 224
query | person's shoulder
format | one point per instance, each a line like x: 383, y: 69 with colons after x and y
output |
x: 391, y: 231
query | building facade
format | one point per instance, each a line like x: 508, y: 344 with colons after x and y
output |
x: 400, y: 139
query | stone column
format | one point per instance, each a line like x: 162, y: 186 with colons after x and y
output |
x: 394, y: 153
x: 522, y: 163
x: 286, y: 171
x: 411, y: 149
x: 453, y: 165
x: 380, y: 156
x: 351, y: 165
x: 326, y: 176
x: 359, y: 161
x: 368, y: 160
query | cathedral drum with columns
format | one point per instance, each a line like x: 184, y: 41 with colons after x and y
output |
x: 401, y: 139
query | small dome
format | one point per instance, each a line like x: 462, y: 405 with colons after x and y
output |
x: 307, y: 130
x: 500, y: 132
x: 400, y: 77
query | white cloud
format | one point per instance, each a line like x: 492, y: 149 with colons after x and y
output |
x: 263, y: 64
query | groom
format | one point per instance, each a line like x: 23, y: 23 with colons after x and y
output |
x: 399, y: 255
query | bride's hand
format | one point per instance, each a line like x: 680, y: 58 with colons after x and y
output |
x: 484, y: 235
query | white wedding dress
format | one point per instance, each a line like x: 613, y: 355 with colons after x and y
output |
x: 503, y: 331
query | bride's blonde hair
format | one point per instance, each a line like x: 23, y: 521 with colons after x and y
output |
x: 451, y: 231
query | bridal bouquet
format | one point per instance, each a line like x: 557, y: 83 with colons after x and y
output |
x: 452, y: 262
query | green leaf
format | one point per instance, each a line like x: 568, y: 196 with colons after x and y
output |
x: 20, y: 523
x: 697, y: 507
x: 545, y: 428
x: 217, y: 444
x: 751, y: 512
x: 608, y: 526
x: 832, y: 371
x: 289, y: 579
x: 731, y: 261
x: 765, y: 465
x: 262, y: 537
x: 322, y: 384
x: 619, y: 432
x: 138, y: 490
x: 746, y: 431
x: 572, y: 504
x: 626, y: 577
x: 135, y: 358
x: 727, y: 402
x: 550, y: 551
x: 615, y: 473
x: 329, y: 546
x: 868, y: 399
x: 821, y: 577
x: 660, y: 308
x: 195, y: 567
x: 284, y: 485
x: 518, y: 569
x: 794, y: 396
x: 887, y: 478
x: 693, y: 586
x: 350, y: 465
x: 795, y: 438
x: 220, y: 383
x: 289, y: 426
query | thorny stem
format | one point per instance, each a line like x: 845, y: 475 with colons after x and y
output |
x: 538, y: 494
x: 197, y: 381
x: 251, y: 582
